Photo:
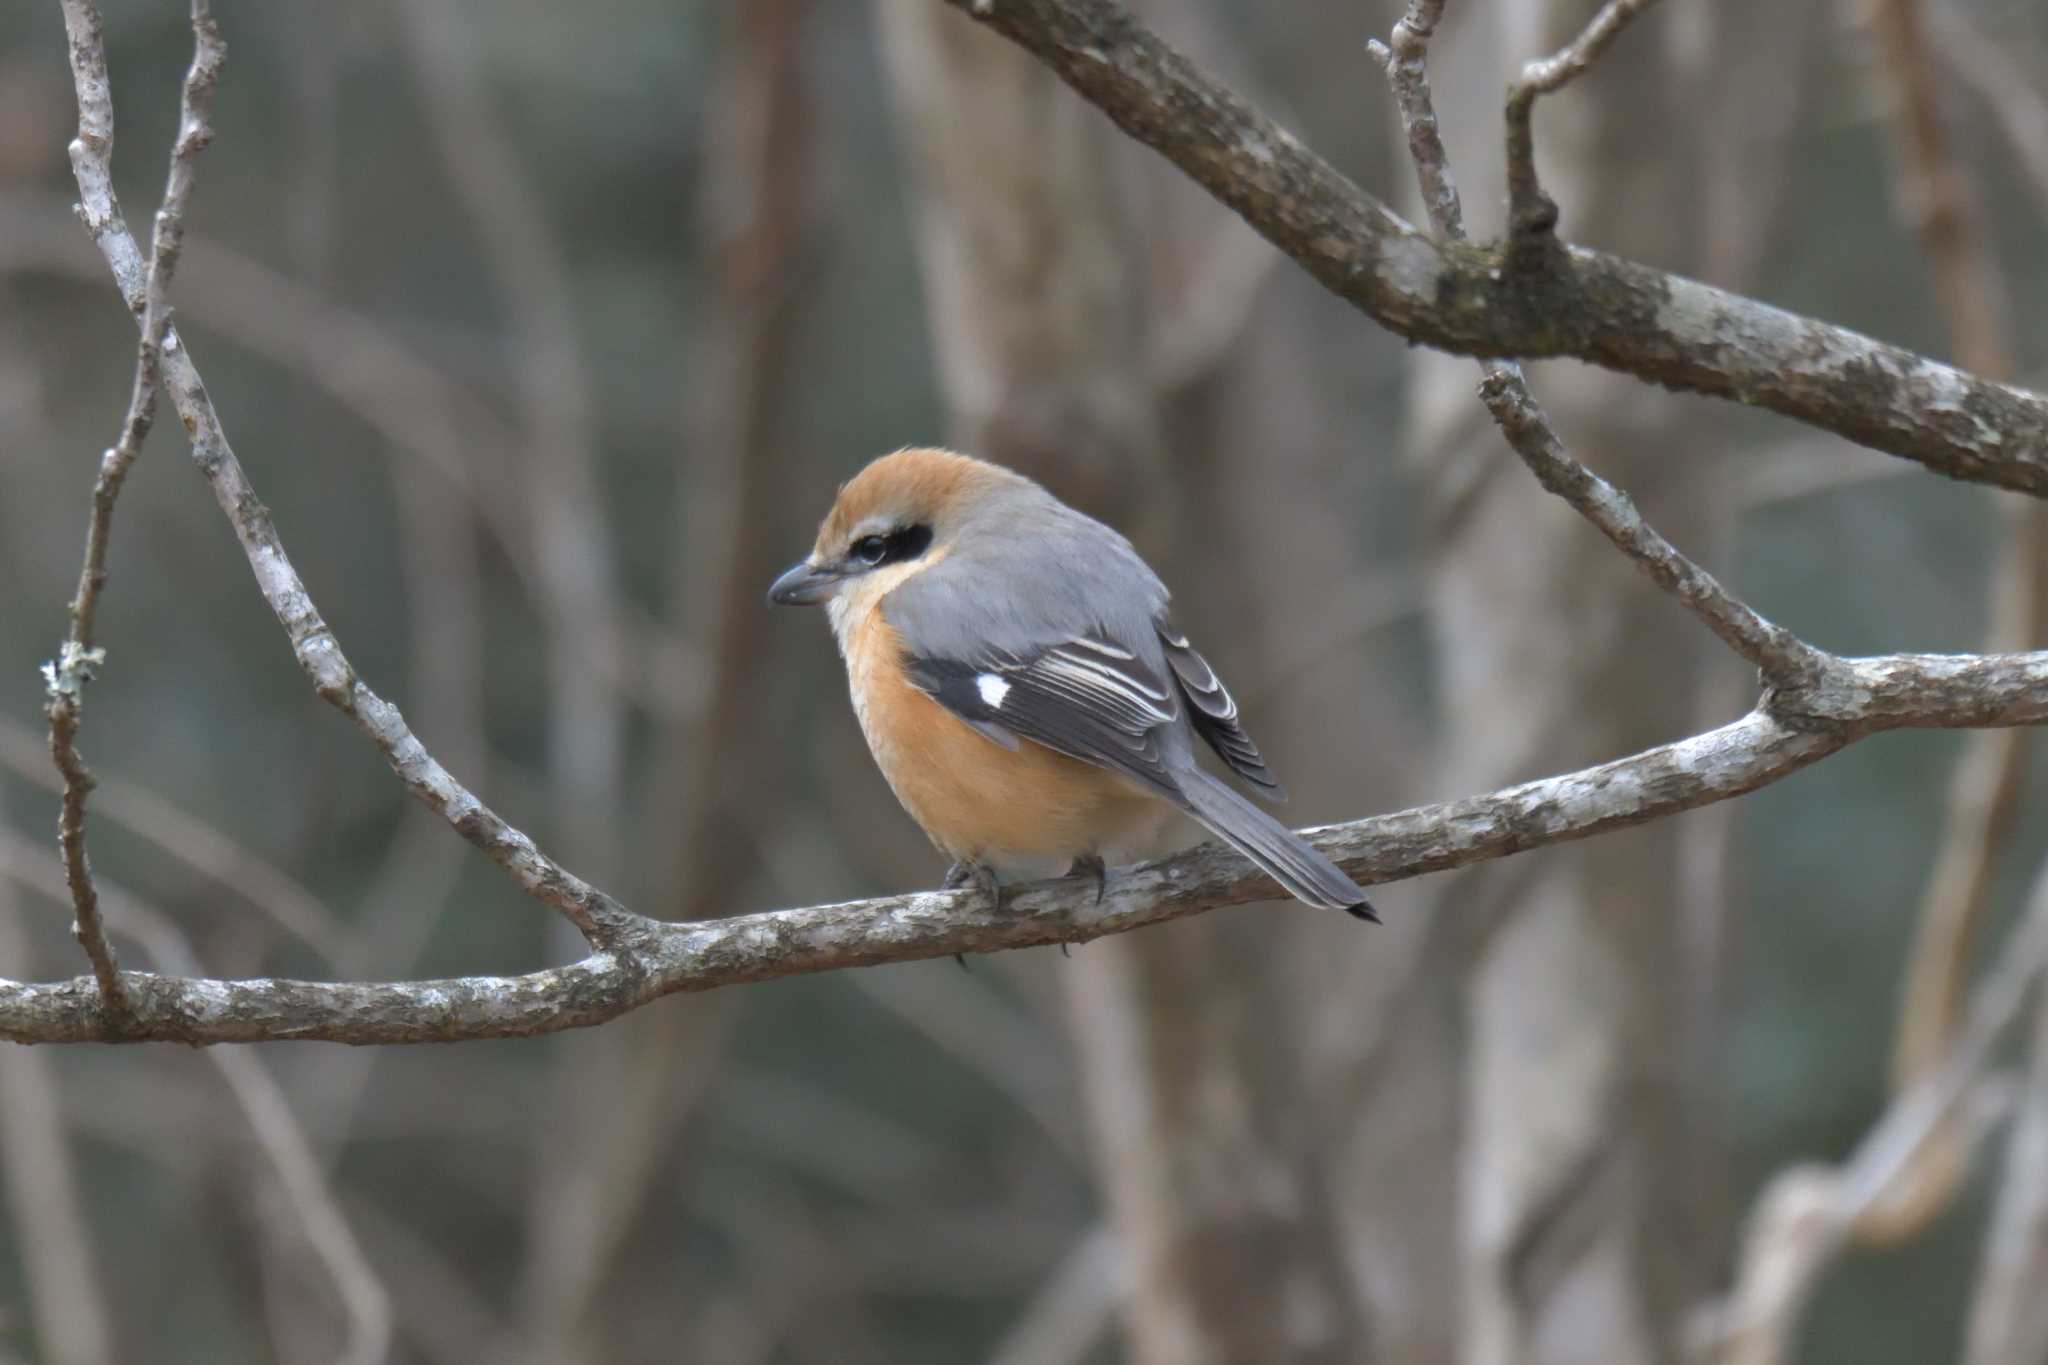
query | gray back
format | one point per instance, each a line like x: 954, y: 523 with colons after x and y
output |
x: 1025, y: 573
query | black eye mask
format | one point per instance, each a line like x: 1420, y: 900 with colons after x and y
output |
x: 905, y: 542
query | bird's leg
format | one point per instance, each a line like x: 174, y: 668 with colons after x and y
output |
x: 1091, y: 865
x: 978, y: 875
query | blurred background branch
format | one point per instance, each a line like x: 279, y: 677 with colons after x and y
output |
x: 1938, y: 204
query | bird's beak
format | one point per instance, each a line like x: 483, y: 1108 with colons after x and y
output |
x: 803, y: 585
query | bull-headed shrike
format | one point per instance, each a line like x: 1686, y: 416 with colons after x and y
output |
x: 1018, y: 678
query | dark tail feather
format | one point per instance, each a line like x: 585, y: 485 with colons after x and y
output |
x: 1279, y: 851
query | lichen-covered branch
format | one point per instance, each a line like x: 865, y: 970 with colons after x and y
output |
x: 65, y: 678
x: 1812, y: 711
x: 1587, y: 304
x: 1853, y: 698
x: 1777, y: 653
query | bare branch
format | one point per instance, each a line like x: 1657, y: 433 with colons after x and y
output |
x: 423, y: 412
x: 1778, y: 654
x: 1531, y: 212
x: 79, y: 658
x: 1808, y: 717
x: 1853, y: 698
x: 597, y: 915
x: 1627, y: 317
x: 1405, y: 57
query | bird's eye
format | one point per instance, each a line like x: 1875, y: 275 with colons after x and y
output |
x: 871, y: 550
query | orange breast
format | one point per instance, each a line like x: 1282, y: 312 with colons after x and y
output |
x: 1027, y: 808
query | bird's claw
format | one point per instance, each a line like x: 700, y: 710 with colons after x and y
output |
x: 983, y: 878
x: 1091, y: 865
x: 977, y: 875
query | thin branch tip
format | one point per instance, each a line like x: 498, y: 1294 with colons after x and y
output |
x: 1532, y: 213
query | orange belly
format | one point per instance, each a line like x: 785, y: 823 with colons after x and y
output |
x: 1026, y: 809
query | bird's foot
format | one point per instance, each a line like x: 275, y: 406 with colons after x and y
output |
x: 1091, y: 865
x: 980, y: 876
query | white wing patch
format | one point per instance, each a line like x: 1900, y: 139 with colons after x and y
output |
x: 993, y: 689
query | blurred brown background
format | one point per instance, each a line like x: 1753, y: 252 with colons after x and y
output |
x: 547, y: 332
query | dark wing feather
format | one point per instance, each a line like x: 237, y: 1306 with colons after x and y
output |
x: 1214, y: 713
x: 1094, y: 700
x: 1086, y: 698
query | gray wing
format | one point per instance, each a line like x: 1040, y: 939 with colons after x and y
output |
x: 1038, y: 622
x: 1088, y: 698
x: 1214, y: 712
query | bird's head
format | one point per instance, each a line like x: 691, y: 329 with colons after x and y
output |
x: 897, y: 517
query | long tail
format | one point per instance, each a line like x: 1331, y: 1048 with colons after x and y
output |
x: 1279, y: 851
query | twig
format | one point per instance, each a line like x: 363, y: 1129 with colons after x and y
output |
x: 79, y: 658
x: 1935, y: 201
x: 1405, y: 58
x: 1808, y: 1214
x: 1849, y: 699
x: 1659, y: 327
x: 1531, y: 212
x: 1779, y: 655
x: 397, y: 390
x: 1853, y: 699
x: 595, y: 914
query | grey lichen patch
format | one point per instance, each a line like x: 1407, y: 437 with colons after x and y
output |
x: 65, y: 677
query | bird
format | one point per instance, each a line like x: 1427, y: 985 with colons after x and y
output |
x: 1021, y: 683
